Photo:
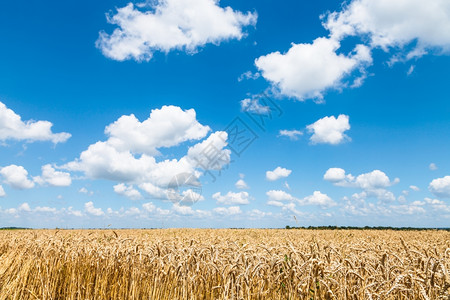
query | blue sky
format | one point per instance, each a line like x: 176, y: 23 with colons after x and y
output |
x: 105, y: 104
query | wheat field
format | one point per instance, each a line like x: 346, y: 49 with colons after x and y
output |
x: 224, y: 264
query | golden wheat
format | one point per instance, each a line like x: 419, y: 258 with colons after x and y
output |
x: 224, y: 264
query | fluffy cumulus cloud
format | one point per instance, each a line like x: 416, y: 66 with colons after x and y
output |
x: 2, y: 192
x: 373, y: 184
x: 279, y: 195
x: 318, y: 198
x: 254, y: 106
x: 278, y: 173
x: 329, y: 130
x: 149, y: 207
x: 92, y: 210
x: 129, y: 155
x: 291, y: 134
x: 230, y: 198
x: 436, y: 205
x: 361, y: 207
x: 13, y: 128
x: 84, y: 190
x: 166, y: 25
x: 187, y: 197
x: 127, y: 191
x: 52, y: 177
x: 279, y: 198
x: 371, y: 180
x: 307, y: 70
x: 395, y: 23
x: 407, y: 29
x: 338, y: 176
x: 213, y: 147
x: 440, y: 187
x: 414, y: 188
x: 16, y: 177
x: 165, y: 127
x: 228, y: 211
x: 248, y: 75
x: 241, y: 184
x: 153, y: 191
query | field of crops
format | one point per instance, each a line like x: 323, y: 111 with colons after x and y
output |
x: 224, y: 264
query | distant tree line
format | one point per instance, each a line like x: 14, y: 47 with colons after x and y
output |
x: 12, y: 228
x: 365, y: 228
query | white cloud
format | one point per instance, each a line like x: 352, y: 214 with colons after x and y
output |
x: 275, y: 203
x: 278, y: 173
x: 414, y: 188
x: 440, y: 187
x: 395, y: 24
x: 132, y: 211
x: 53, y: 177
x: 84, y: 190
x: 407, y: 29
x: 338, y: 176
x: 165, y: 127
x: 213, y: 147
x: 241, y: 184
x: 24, y: 207
x: 127, y: 191
x: 13, y: 128
x: 232, y: 210
x: 308, y: 70
x: 231, y: 198
x: 406, y: 209
x: 186, y: 197
x: 318, y: 198
x: 291, y: 134
x: 258, y: 214
x: 379, y: 193
x: 278, y: 195
x: 359, y: 207
x: 253, y: 106
x: 73, y: 212
x: 2, y: 192
x: 149, y: 207
x: 437, y: 205
x: 153, y: 191
x: 182, y: 209
x: 373, y: 184
x: 292, y: 208
x: 16, y: 177
x: 401, y: 199
x: 90, y: 209
x: 103, y: 161
x: 329, y: 130
x: 125, y: 157
x: 286, y: 201
x: 45, y: 209
x: 11, y: 211
x: 372, y: 180
x: 167, y: 25
x: 248, y: 75
x: 286, y: 185
x: 433, y: 167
